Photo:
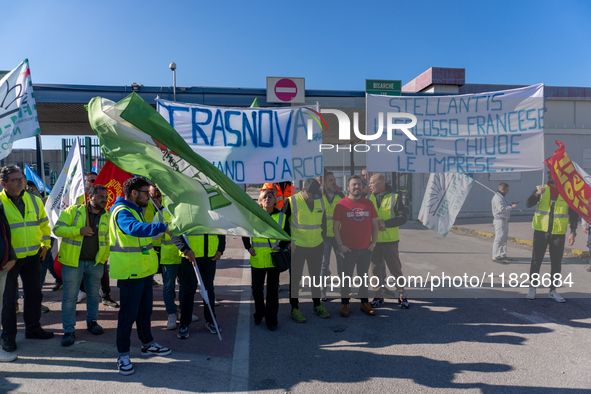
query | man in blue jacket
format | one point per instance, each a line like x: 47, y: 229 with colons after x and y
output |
x: 133, y: 263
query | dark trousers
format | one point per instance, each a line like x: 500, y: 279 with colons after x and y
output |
x: 388, y: 252
x: 541, y: 241
x: 188, y: 287
x: 105, y: 286
x: 136, y: 301
x: 314, y: 258
x: 29, y: 269
x: 361, y: 259
x: 269, y: 312
x: 47, y: 265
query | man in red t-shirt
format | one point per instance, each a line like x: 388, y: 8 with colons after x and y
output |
x: 355, y: 225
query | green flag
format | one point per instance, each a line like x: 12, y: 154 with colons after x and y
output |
x: 255, y: 103
x: 200, y: 198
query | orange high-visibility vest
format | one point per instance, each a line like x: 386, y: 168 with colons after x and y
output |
x: 281, y: 195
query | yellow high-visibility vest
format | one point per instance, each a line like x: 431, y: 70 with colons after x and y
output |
x: 541, y: 219
x: 169, y: 253
x: 29, y: 233
x: 197, y: 245
x: 68, y: 228
x: 385, y: 212
x: 305, y: 226
x: 131, y: 257
x: 329, y: 212
x: 263, y: 246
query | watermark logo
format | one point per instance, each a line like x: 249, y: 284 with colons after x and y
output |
x: 386, y: 123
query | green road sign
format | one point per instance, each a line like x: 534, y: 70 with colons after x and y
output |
x: 387, y: 88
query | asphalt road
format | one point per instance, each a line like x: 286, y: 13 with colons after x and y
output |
x: 475, y: 339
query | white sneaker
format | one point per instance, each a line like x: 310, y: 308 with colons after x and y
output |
x: 124, y: 365
x: 171, y: 325
x: 554, y: 294
x: 194, y: 318
x: 6, y: 357
x: 81, y: 296
x: 531, y: 294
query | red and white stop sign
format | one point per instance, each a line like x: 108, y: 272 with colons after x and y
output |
x: 286, y: 89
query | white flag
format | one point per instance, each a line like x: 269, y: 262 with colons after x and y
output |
x: 443, y: 200
x: 18, y: 112
x: 69, y: 185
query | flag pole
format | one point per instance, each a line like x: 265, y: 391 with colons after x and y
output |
x: 84, y: 185
x: 160, y: 215
x: 204, y: 294
x: 486, y: 187
x: 41, y: 170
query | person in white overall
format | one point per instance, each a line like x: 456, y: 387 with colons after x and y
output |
x: 501, y: 210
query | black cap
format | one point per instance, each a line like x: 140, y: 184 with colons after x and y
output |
x: 312, y: 187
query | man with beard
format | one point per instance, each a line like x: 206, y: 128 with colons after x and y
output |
x: 355, y: 226
x: 134, y: 263
x: 84, y: 251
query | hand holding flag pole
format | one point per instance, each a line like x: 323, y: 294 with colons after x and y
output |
x: 203, y: 292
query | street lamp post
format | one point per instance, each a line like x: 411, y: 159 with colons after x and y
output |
x: 172, y: 66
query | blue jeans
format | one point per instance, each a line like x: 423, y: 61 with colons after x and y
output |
x: 169, y: 274
x: 330, y: 244
x: 361, y: 259
x: 91, y: 272
x: 136, y: 298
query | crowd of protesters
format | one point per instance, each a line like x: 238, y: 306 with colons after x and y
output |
x: 131, y: 242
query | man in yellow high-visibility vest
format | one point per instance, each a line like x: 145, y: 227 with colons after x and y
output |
x: 83, y: 253
x: 331, y: 197
x: 307, y: 221
x: 133, y: 263
x: 391, y: 215
x: 552, y: 217
x: 30, y: 239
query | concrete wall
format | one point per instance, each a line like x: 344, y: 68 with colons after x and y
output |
x: 29, y: 156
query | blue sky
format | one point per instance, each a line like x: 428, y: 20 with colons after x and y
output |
x: 334, y: 45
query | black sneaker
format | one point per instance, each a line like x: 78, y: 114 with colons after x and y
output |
x: 68, y: 339
x: 155, y: 350
x: 58, y: 286
x: 403, y: 302
x: 376, y: 302
x: 211, y: 328
x: 108, y: 301
x: 39, y: 334
x: 183, y: 332
x: 94, y: 328
x: 9, y: 345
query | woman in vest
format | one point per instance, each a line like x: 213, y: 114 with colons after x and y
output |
x: 262, y: 264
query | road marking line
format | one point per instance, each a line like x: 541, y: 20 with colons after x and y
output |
x: 239, y: 379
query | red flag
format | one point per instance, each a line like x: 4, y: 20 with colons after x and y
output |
x: 570, y: 182
x: 112, y: 177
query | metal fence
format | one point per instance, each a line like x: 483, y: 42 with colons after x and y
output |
x: 90, y: 151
